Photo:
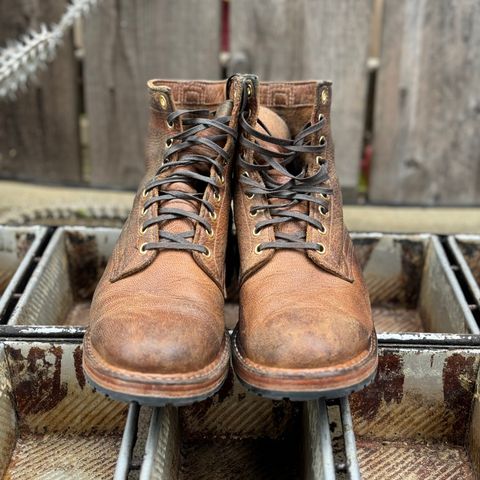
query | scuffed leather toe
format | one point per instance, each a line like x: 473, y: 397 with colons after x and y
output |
x: 174, y: 345
x: 304, y: 339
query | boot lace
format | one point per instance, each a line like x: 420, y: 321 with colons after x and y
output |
x: 180, y: 171
x: 283, y: 196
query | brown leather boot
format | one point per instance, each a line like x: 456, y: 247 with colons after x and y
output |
x: 156, y: 331
x: 305, y: 327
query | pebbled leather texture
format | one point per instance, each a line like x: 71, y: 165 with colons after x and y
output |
x: 160, y: 312
x: 299, y: 311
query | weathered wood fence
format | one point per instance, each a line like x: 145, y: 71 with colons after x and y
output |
x: 423, y: 100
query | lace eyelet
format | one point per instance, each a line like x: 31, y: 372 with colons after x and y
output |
x: 324, y: 195
x: 207, y: 252
x: 210, y: 233
x: 323, y: 211
x: 142, y: 230
x: 321, y: 117
x: 144, y: 193
x: 168, y: 142
x: 257, y: 249
x: 255, y: 232
x: 217, y: 197
x: 324, y: 96
x: 221, y: 178
x: 319, y: 160
x: 143, y: 250
x: 322, y: 141
x: 170, y: 125
x: 249, y: 89
x: 144, y: 211
x: 322, y: 230
x: 163, y: 101
x: 253, y: 214
x: 321, y: 248
x: 212, y: 215
x: 250, y: 195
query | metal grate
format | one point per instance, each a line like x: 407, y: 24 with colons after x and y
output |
x: 337, y: 452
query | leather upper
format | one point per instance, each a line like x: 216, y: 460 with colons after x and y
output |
x: 299, y: 309
x: 161, y: 311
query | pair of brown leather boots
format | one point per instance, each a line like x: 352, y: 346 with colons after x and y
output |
x: 157, y: 332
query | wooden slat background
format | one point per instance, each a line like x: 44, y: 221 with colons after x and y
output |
x: 426, y: 103
x: 39, y: 131
x: 312, y: 39
x: 427, y: 118
x: 127, y: 43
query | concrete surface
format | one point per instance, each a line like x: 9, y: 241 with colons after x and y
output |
x: 29, y: 203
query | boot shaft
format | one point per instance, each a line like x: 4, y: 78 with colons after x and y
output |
x: 300, y: 105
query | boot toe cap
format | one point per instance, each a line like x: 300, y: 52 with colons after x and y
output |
x: 171, y: 345
x: 302, y: 339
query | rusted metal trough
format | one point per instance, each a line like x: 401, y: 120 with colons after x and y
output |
x: 419, y: 419
x: 18, y: 247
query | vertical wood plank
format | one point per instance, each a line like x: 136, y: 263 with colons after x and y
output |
x: 427, y: 115
x: 128, y: 43
x: 39, y: 136
x: 312, y: 39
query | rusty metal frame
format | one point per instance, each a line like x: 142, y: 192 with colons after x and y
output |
x: 462, y: 266
x: 49, y: 285
x: 14, y: 287
x: 327, y: 470
x: 440, y: 256
x: 327, y: 465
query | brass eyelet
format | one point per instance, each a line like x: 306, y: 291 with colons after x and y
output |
x: 321, y: 248
x: 144, y: 193
x: 170, y: 125
x: 217, y: 197
x: 168, y: 142
x: 322, y: 230
x: 163, y: 101
x: 144, y: 210
x: 250, y: 195
x: 212, y: 215
x: 323, y: 211
x: 257, y: 249
x: 255, y: 232
x: 249, y: 89
x: 321, y: 117
x: 142, y: 230
x: 208, y: 253
x: 222, y: 179
x: 210, y: 233
x: 324, y: 195
x: 322, y: 141
x: 324, y: 96
x: 143, y: 250
x: 246, y: 174
x: 254, y: 214
x: 319, y: 160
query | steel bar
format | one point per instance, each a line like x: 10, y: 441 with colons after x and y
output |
x: 128, y: 442
x: 349, y: 439
x: 328, y: 462
x: 152, y: 444
x: 10, y: 295
x: 474, y: 288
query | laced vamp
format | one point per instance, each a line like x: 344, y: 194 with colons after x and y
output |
x: 281, y: 196
x: 182, y: 176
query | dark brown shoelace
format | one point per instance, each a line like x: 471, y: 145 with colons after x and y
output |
x: 299, y: 187
x: 188, y: 169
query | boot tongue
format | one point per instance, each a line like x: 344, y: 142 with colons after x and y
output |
x: 277, y: 127
x: 183, y: 225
